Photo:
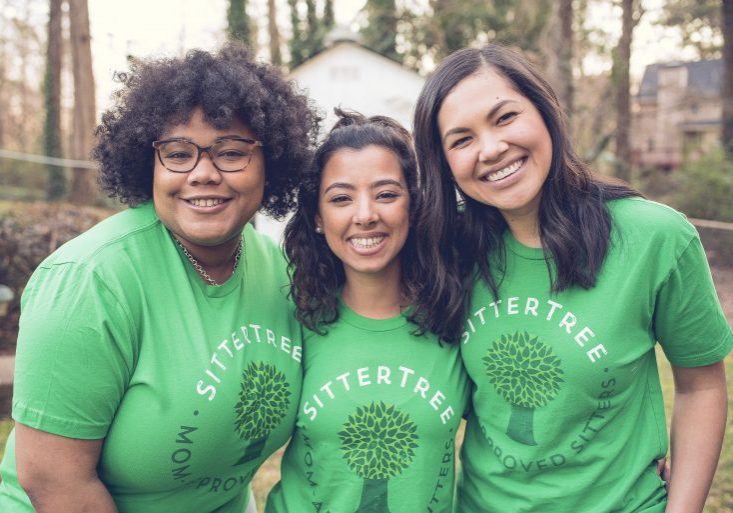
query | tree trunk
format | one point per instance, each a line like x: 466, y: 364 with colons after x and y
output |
x: 620, y: 73
x: 275, y: 57
x: 521, y: 425
x: 83, y: 184
x: 727, y: 90
x: 56, y: 185
x: 559, y: 65
x: 374, y: 496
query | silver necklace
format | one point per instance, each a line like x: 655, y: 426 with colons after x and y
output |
x: 200, y: 268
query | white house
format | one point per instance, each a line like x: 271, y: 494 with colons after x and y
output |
x: 349, y: 75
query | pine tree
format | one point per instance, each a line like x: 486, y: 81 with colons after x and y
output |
x: 239, y: 27
x: 380, y: 33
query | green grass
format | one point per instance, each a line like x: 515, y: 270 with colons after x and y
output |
x: 5, y: 427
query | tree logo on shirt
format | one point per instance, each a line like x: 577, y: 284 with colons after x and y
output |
x: 263, y: 402
x: 527, y: 374
x: 379, y: 442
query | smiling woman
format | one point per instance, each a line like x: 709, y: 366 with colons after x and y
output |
x: 382, y: 396
x: 158, y: 361
x: 573, y: 281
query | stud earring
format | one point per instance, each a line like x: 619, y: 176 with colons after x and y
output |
x: 319, y: 229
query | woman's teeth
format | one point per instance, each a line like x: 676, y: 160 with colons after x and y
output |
x: 365, y: 243
x: 206, y: 202
x: 503, y: 173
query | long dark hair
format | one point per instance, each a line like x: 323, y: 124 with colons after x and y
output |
x: 317, y: 274
x: 574, y: 221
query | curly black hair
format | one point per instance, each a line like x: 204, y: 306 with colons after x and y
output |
x: 158, y: 94
x: 317, y: 274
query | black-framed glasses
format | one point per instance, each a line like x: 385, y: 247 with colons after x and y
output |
x: 228, y: 155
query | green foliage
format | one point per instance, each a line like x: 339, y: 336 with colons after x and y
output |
x: 263, y: 400
x: 524, y: 371
x: 380, y: 34
x: 455, y: 24
x: 378, y: 441
x: 309, y: 29
x: 705, y: 187
x: 699, y: 22
x: 238, y: 23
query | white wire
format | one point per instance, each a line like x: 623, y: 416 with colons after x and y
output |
x: 44, y: 159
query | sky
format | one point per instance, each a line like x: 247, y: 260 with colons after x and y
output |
x: 169, y: 27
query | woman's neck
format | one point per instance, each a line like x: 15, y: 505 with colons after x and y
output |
x: 525, y: 227
x: 218, y: 261
x: 375, y: 296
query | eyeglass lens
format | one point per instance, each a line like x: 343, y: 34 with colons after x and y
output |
x: 228, y: 155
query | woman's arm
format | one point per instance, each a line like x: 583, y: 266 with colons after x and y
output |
x: 698, y: 425
x: 59, y: 474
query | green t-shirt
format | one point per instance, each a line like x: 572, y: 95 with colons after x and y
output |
x: 568, y: 412
x: 377, y: 422
x: 192, y: 386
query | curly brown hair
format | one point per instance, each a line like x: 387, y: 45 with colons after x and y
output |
x: 226, y: 85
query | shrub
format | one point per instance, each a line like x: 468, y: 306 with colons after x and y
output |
x: 705, y: 187
x: 28, y: 233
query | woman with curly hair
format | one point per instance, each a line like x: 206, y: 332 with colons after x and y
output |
x: 159, y: 362
x: 382, y: 393
x: 574, y: 281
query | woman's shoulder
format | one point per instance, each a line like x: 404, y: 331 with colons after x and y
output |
x: 102, y: 241
x: 649, y: 219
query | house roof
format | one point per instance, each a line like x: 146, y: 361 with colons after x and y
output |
x: 702, y: 76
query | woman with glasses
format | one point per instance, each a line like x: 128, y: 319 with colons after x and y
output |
x: 159, y: 362
x: 383, y: 388
x: 575, y: 280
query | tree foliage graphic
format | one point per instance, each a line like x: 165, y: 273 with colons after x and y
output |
x: 527, y: 375
x: 378, y: 442
x: 264, y: 399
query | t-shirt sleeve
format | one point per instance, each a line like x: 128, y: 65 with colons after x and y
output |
x: 75, y: 353
x: 688, y: 320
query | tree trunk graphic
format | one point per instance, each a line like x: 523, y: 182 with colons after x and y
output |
x: 527, y: 375
x: 374, y: 497
x: 254, y: 450
x: 378, y: 442
x: 521, y: 425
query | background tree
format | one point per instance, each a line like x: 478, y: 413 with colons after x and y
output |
x: 559, y: 56
x: 727, y: 91
x: 631, y: 13
x: 296, y: 38
x: 378, y: 442
x: 699, y: 23
x: 83, y: 184
x: 275, y: 57
x: 239, y: 27
x: 453, y: 24
x: 56, y: 184
x: 380, y: 32
x: 525, y: 373
x: 309, y: 29
x: 264, y: 399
